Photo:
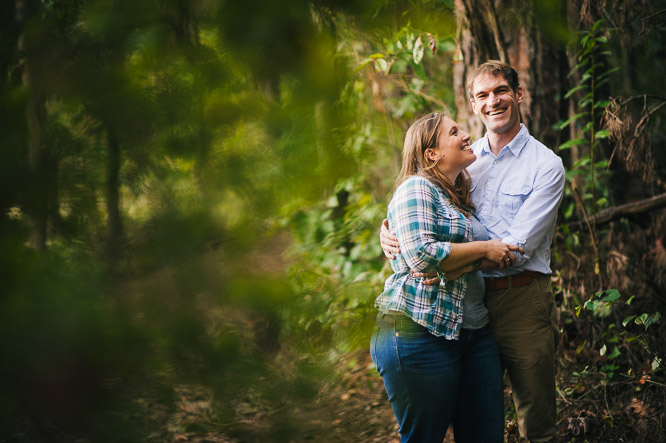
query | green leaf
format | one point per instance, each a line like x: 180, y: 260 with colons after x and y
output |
x: 376, y: 56
x: 611, y: 295
x: 592, y: 305
x: 628, y: 302
x: 580, y: 65
x: 602, y: 351
x: 570, y: 143
x: 574, y: 89
x: 596, y: 24
x: 626, y: 321
x: 418, y: 69
x: 381, y: 65
x: 580, y: 348
x: 608, y: 73
x: 417, y: 53
x: 584, y: 102
x: 572, y: 119
x: 616, y: 353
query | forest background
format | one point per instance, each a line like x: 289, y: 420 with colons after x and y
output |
x: 192, y: 192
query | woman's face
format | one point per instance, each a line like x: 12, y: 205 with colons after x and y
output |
x: 453, y: 151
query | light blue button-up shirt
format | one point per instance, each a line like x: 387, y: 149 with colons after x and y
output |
x: 516, y: 195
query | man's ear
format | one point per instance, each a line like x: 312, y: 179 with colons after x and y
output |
x: 519, y: 94
x: 473, y: 106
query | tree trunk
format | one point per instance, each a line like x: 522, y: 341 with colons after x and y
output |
x: 35, y: 113
x: 509, y: 31
x: 480, y: 38
x: 114, y: 220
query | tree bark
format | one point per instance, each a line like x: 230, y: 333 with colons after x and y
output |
x: 114, y: 220
x: 35, y: 114
x: 509, y: 30
x: 480, y: 38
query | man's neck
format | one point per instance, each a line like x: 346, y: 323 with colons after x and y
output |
x: 498, y: 141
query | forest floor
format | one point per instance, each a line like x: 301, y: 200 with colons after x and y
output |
x: 354, y: 408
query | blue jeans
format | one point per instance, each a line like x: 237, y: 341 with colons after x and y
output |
x: 432, y: 382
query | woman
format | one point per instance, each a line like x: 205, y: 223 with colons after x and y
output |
x: 431, y: 344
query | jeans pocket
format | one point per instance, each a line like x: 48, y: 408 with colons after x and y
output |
x: 408, y: 328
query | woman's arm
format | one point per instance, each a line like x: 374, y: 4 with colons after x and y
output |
x: 413, y: 217
x: 461, y: 253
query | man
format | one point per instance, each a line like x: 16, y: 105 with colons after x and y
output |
x: 517, y: 186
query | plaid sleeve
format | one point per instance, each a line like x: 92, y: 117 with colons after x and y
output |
x: 412, y: 217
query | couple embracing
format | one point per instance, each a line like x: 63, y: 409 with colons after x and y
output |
x: 468, y: 234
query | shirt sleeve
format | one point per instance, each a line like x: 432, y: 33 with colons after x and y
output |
x: 539, y: 210
x: 414, y: 217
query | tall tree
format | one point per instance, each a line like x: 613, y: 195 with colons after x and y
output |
x: 37, y: 202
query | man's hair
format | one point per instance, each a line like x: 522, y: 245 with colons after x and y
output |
x: 494, y: 68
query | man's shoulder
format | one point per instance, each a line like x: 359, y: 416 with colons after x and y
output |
x: 540, y: 152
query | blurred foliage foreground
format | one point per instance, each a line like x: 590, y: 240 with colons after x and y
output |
x: 191, y: 195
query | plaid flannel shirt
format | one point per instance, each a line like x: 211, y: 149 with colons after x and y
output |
x: 426, y: 223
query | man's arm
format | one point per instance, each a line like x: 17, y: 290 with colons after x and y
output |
x: 538, y: 212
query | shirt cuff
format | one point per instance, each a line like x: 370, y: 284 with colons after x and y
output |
x: 520, y: 258
x: 434, y: 254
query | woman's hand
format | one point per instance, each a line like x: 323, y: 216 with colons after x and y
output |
x: 501, y: 253
x: 389, y: 242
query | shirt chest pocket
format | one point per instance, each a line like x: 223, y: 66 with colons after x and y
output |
x: 512, y: 196
x: 451, y: 225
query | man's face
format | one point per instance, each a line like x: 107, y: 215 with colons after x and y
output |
x: 496, y: 103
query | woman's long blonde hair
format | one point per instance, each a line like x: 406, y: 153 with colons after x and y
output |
x: 422, y: 135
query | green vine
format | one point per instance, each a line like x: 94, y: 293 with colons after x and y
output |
x: 590, y: 170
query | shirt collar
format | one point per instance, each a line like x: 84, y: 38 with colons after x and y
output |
x: 515, y: 146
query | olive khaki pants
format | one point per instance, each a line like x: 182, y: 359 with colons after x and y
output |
x: 524, y: 322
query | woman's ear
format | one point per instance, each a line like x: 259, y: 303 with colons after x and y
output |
x: 431, y: 155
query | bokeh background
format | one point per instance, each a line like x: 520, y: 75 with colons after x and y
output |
x: 191, y: 193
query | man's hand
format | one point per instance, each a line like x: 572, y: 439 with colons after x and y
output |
x: 431, y: 278
x: 389, y: 242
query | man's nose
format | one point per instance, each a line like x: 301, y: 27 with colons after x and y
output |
x: 493, y: 99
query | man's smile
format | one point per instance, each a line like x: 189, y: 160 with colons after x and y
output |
x: 496, y: 112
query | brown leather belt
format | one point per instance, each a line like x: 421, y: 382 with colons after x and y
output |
x: 511, y: 281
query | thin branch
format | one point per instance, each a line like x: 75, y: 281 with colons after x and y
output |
x: 610, y: 214
x: 642, y: 97
x: 426, y: 96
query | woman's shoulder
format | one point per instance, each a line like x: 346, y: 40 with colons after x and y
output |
x: 418, y: 182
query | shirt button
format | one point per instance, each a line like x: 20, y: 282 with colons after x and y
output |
x: 489, y: 185
x: 495, y: 162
